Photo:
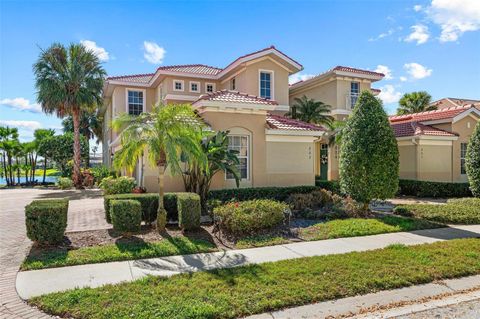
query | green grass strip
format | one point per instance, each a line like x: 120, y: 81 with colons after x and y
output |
x: 117, y: 252
x: 455, y: 211
x: 242, y: 291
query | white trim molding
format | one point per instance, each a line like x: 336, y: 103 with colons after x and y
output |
x: 293, y: 132
x: 178, y: 81
x: 144, y: 99
x: 340, y: 112
x: 272, y: 83
x: 462, y: 115
x: 181, y: 97
x: 234, y: 105
x: 290, y: 138
x: 281, y: 107
x: 198, y: 86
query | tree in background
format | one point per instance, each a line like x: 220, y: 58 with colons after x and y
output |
x: 311, y: 111
x: 165, y: 133
x: 59, y: 148
x: 472, y: 161
x: 10, y: 148
x: 90, y: 125
x: 69, y: 82
x: 40, y: 135
x: 369, y: 161
x: 197, y: 177
x: 415, y: 102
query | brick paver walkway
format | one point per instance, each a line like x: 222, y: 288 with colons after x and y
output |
x: 86, y: 212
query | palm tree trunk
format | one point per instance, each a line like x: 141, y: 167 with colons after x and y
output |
x: 77, y: 177
x: 161, y: 212
x: 44, y: 169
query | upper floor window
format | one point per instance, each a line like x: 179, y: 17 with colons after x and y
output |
x: 209, y: 87
x: 240, y: 143
x: 354, y: 92
x: 463, y: 154
x: 136, y: 101
x: 194, y: 86
x: 177, y: 85
x: 233, y: 85
x: 266, y: 79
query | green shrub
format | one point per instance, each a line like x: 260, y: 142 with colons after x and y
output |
x: 189, y: 210
x: 120, y: 185
x: 100, y: 172
x: 455, y: 211
x: 46, y: 220
x: 273, y: 193
x: 149, y: 203
x: 433, y: 189
x: 402, y: 211
x: 369, y: 164
x: 472, y: 161
x: 317, y: 199
x: 333, y: 186
x: 250, y: 217
x: 126, y: 215
x: 64, y: 183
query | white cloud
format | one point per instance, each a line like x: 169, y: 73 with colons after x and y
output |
x: 26, y: 125
x: 153, y: 52
x: 382, y: 35
x: 419, y: 34
x: 385, y: 70
x: 297, y: 77
x: 22, y: 104
x: 417, y: 7
x: 403, y: 78
x: 455, y: 17
x: 417, y: 71
x: 100, y: 52
x: 389, y: 94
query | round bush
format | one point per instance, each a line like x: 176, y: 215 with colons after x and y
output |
x: 126, y: 215
x: 121, y: 185
x: 249, y: 217
x: 65, y: 183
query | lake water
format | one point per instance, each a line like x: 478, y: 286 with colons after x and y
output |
x: 39, y: 179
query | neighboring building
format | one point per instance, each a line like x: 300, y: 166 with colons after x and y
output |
x: 454, y: 102
x: 249, y: 98
x: 433, y: 144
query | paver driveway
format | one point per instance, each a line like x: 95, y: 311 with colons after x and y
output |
x: 85, y: 212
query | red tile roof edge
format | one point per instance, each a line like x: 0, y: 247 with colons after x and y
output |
x: 186, y: 66
x: 129, y: 76
x: 341, y: 68
x: 408, y: 117
x: 293, y: 122
x: 207, y: 96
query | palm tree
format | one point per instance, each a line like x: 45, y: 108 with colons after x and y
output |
x: 90, y: 125
x: 165, y: 133
x: 415, y: 102
x: 197, y: 177
x: 69, y: 82
x: 40, y: 136
x: 336, y: 132
x: 311, y: 111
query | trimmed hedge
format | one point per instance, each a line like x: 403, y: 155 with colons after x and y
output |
x: 250, y: 217
x: 333, y: 186
x: 251, y: 193
x: 126, y: 215
x: 149, y: 203
x: 189, y: 210
x: 433, y: 189
x: 46, y: 220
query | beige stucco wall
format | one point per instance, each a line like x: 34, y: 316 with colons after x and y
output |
x: 464, y: 129
x: 325, y: 92
x: 167, y: 86
x: 408, y: 160
x: 434, y: 162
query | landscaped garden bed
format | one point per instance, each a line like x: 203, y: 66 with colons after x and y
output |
x: 230, y: 293
x: 455, y: 211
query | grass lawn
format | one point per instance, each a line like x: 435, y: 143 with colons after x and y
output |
x: 116, y: 252
x: 230, y: 293
x: 455, y: 211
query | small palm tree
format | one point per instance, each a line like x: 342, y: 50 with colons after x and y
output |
x: 415, y: 102
x: 311, y: 111
x: 164, y: 134
x: 336, y: 132
x: 69, y: 82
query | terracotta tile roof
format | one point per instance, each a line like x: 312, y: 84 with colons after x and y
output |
x: 192, y: 69
x: 404, y: 129
x: 235, y: 97
x: 284, y: 123
x: 340, y: 68
x: 446, y: 113
x: 136, y: 78
x: 375, y: 90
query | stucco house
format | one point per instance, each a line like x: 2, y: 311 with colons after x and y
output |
x: 249, y: 98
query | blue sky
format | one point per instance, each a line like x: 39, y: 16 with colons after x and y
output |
x: 424, y: 45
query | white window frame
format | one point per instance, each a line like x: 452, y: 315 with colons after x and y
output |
x: 198, y: 86
x: 272, y: 83
x: 463, y: 157
x: 213, y: 87
x: 240, y: 156
x: 144, y: 109
x: 182, y: 82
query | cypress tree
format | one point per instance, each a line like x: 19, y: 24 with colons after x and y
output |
x: 369, y: 161
x: 472, y: 161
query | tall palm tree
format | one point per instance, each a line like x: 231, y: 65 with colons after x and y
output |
x: 415, y: 102
x: 164, y: 134
x: 311, y: 111
x: 69, y: 82
x: 90, y: 125
x: 197, y: 178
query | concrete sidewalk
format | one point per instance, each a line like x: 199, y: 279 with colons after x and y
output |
x: 39, y: 282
